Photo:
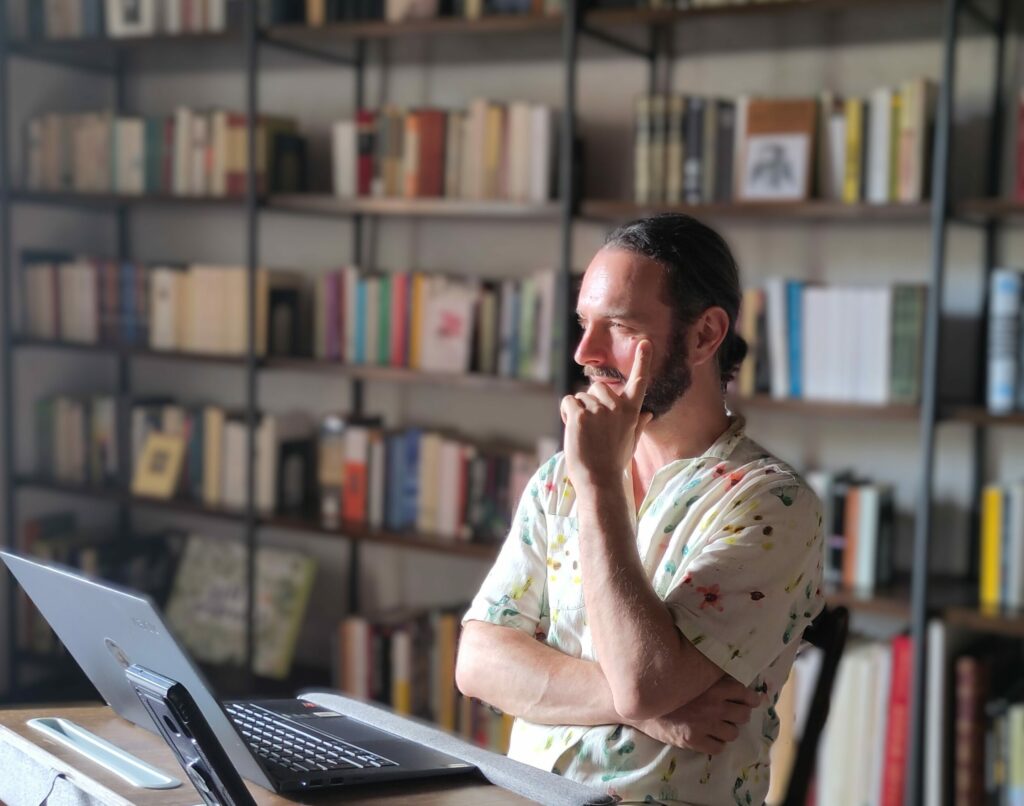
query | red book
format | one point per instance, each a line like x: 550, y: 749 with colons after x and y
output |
x: 366, y: 136
x: 429, y: 179
x: 237, y: 157
x: 971, y: 688
x: 400, y: 319
x: 167, y: 168
x: 354, y: 491
x: 895, y: 772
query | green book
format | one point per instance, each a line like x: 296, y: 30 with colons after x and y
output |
x: 384, y: 321
x: 527, y: 328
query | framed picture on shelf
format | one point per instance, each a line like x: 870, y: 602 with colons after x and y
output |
x: 131, y: 18
x: 778, y: 145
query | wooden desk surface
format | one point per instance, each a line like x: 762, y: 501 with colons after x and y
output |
x: 149, y: 747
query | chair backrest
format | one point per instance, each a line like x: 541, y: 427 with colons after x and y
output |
x: 828, y: 633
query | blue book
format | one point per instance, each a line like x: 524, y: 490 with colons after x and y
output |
x: 394, y: 481
x: 92, y: 18
x: 794, y: 313
x: 411, y: 478
x: 153, y: 154
x: 194, y: 454
x: 361, y: 321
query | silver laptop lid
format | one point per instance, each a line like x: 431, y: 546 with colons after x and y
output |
x: 106, y: 629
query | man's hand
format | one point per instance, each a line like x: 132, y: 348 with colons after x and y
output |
x: 708, y: 723
x: 602, y: 427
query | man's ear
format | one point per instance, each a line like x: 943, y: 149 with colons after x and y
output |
x: 707, y: 334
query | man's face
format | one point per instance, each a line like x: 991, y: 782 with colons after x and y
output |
x: 619, y: 306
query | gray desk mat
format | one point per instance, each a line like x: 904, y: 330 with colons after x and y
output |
x: 537, y: 785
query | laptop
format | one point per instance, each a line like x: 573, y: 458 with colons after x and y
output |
x: 284, y: 745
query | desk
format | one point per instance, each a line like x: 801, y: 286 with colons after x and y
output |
x: 30, y: 756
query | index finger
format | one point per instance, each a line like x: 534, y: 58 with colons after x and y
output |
x: 636, y: 386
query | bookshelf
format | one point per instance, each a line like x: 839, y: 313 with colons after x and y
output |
x: 344, y: 47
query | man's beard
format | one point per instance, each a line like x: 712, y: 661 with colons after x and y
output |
x: 668, y: 385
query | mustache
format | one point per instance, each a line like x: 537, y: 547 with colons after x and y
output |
x: 604, y: 372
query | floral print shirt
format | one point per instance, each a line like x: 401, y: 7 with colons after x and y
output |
x: 732, y: 542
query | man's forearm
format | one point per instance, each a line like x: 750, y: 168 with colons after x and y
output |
x: 649, y: 666
x: 529, y: 679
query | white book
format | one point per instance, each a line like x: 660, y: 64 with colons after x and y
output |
x: 182, y: 174
x: 273, y: 430
x: 455, y: 126
x: 473, y: 165
x: 427, y: 515
x: 869, y: 511
x: 164, y: 308
x: 377, y: 480
x: 172, y: 16
x: 542, y: 153
x: 449, y: 488
x: 778, y: 336
x: 199, y: 182
x: 881, y: 672
x: 217, y: 180
x: 879, y: 146
x: 944, y: 644
x: 546, y: 286
x: 878, y: 345
x: 446, y: 344
x: 343, y: 158
x: 519, y: 133
x: 1014, y: 546
x: 216, y: 15
x: 813, y: 302
x: 129, y: 151
x: 233, y: 486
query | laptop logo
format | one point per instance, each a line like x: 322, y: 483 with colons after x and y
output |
x: 122, y: 659
x: 145, y: 625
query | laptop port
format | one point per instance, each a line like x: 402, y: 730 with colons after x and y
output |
x: 338, y: 780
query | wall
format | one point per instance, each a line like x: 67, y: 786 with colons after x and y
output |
x: 782, y: 55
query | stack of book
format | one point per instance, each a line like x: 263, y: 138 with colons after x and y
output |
x: 702, y: 150
x: 189, y: 153
x: 76, y: 439
x: 419, y: 480
x: 859, y: 519
x: 1001, y: 564
x: 215, y: 449
x: 833, y: 344
x: 76, y: 19
x: 437, y: 323
x: 320, y: 12
x: 406, y: 660
x: 489, y: 151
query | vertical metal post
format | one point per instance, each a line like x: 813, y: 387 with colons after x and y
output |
x: 252, y: 264
x: 124, y: 382
x: 929, y: 400
x: 10, y: 520
x: 979, y: 436
x: 356, y: 409
x: 567, y: 187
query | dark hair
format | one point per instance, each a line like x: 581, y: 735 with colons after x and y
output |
x: 700, y: 273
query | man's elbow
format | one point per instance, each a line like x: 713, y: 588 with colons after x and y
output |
x: 467, y: 662
x: 634, y: 701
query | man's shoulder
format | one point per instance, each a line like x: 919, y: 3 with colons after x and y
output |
x: 767, y: 474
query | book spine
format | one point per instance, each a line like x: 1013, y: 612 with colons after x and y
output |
x: 897, y: 730
x: 1003, y: 340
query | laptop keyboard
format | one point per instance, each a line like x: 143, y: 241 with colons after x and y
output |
x: 281, y: 743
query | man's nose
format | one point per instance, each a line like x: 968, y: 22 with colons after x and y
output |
x: 590, y: 349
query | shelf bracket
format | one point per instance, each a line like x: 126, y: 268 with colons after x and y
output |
x: 615, y: 42
x: 305, y: 50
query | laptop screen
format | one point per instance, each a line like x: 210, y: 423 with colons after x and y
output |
x: 107, y: 629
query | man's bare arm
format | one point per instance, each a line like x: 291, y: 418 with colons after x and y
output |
x: 525, y: 677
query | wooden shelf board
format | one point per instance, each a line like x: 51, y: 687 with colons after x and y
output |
x: 22, y: 342
x: 619, y: 210
x: 101, y: 45
x: 821, y: 409
x: 998, y: 622
x: 979, y: 415
x: 327, y: 205
x: 894, y: 603
x: 73, y: 199
x: 626, y: 16
x: 360, y: 532
x: 405, y: 375
x: 990, y: 208
x: 437, y: 26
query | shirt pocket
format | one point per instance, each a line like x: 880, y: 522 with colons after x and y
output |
x: 565, y: 580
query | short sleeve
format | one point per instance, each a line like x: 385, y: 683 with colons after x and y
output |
x: 756, y: 584
x: 513, y: 595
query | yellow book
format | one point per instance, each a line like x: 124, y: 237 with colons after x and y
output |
x: 894, y: 146
x: 494, y: 147
x: 159, y: 468
x: 419, y: 282
x: 401, y: 666
x: 447, y: 629
x: 991, y: 545
x: 852, y: 190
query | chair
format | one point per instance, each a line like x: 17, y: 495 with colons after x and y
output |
x: 828, y: 633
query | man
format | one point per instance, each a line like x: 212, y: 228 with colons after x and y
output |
x: 668, y: 564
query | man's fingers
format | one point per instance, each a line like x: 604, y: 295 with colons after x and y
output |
x: 568, y: 405
x: 736, y: 713
x: 636, y: 385
x: 590, y: 403
x: 604, y: 394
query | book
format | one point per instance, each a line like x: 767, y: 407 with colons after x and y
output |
x: 779, y: 142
